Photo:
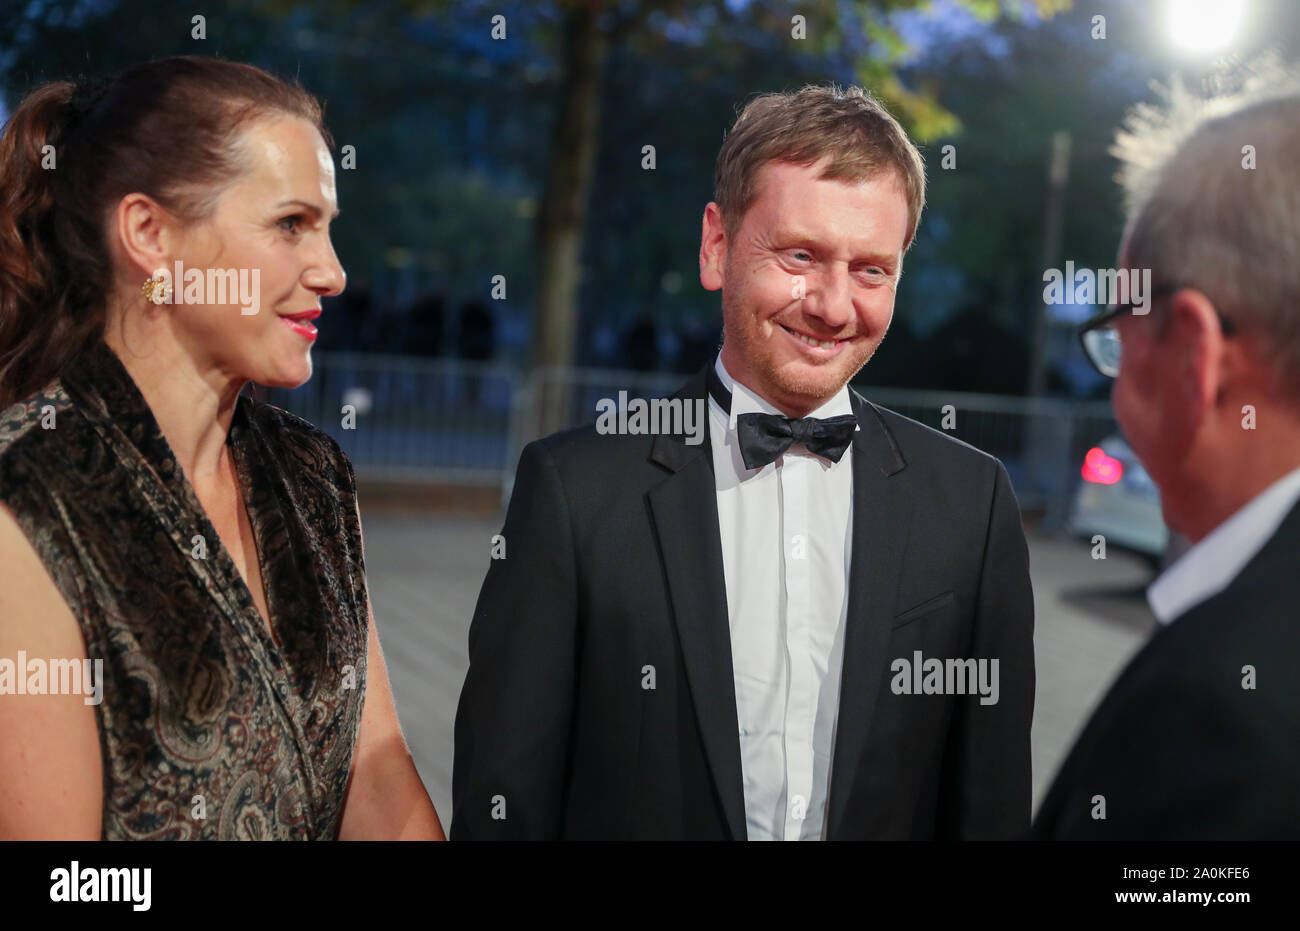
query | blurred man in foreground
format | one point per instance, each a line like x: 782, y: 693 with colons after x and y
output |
x: 1200, y: 736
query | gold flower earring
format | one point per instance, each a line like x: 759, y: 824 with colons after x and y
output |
x: 156, y: 290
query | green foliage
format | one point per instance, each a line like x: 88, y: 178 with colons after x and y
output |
x: 451, y: 129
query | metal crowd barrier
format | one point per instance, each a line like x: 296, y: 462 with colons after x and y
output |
x: 446, y: 420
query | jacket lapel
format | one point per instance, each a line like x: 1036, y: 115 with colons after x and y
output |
x: 882, y: 509
x: 685, y: 512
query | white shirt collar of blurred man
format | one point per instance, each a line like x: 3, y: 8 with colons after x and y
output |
x: 1210, y: 566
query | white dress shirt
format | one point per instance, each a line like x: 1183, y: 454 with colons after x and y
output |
x: 786, y: 545
x: 1210, y: 566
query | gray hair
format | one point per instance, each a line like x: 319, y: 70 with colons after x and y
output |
x: 1212, y: 192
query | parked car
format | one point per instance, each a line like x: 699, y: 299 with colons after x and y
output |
x: 1117, y: 499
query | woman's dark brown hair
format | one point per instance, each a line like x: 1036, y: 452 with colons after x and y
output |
x: 169, y: 129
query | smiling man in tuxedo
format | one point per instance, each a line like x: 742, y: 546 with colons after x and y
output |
x: 719, y: 640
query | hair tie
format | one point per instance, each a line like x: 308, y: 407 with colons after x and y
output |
x: 85, y: 96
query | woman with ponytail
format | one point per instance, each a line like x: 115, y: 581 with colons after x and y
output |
x: 187, y: 648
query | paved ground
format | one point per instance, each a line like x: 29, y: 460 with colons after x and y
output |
x: 425, y: 572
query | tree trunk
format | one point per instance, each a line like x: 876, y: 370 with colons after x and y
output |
x: 562, y: 212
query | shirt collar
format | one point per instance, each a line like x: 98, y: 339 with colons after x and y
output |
x: 745, y: 401
x: 1211, y: 565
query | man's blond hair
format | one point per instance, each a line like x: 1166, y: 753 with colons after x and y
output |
x: 847, y: 126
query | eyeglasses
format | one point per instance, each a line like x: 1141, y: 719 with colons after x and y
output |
x: 1100, y: 339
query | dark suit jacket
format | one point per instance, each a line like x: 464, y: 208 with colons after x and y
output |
x: 1178, y: 748
x: 614, y: 564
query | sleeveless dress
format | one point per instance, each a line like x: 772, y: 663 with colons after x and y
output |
x: 209, y: 728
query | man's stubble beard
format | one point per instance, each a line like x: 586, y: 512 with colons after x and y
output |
x: 742, y: 327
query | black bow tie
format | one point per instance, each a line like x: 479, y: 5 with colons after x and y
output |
x: 765, y: 437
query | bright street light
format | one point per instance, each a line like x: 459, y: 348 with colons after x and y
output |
x: 1203, y: 26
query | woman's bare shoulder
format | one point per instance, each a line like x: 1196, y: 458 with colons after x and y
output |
x: 50, y: 772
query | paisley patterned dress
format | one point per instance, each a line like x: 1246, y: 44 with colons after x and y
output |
x: 209, y: 727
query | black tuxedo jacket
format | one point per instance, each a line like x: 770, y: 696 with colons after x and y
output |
x: 613, y: 574
x: 1179, y: 749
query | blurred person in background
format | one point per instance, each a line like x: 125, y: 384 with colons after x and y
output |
x: 475, y: 342
x: 424, y: 325
x: 641, y: 345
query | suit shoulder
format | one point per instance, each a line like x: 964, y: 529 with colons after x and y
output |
x: 574, y: 439
x: 585, y: 444
x: 1219, y: 667
x: 1238, y: 635
x: 917, y: 441
x: 626, y: 428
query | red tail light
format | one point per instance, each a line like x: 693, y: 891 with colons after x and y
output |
x: 1100, y: 468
